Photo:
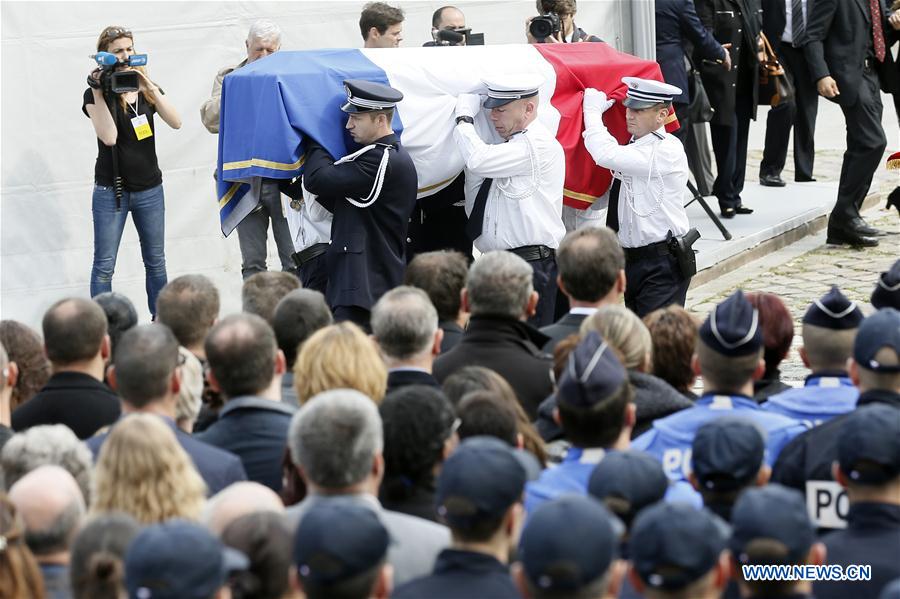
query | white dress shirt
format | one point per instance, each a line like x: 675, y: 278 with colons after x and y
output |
x: 788, y: 35
x: 524, y: 206
x: 309, y: 225
x: 654, y: 174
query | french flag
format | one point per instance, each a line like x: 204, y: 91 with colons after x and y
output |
x: 272, y: 105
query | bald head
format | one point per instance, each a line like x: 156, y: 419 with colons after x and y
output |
x: 74, y: 329
x: 52, y: 507
x: 236, y: 500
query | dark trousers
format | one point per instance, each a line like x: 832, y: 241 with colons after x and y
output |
x: 544, y: 281
x: 800, y: 114
x: 730, y: 148
x: 253, y: 233
x: 684, y: 122
x: 441, y: 228
x: 355, y: 314
x: 653, y: 283
x: 865, y: 146
x: 314, y: 274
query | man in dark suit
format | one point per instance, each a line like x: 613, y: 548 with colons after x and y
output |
x: 442, y: 275
x: 785, y: 25
x: 591, y: 274
x: 371, y: 193
x: 405, y: 326
x: 846, y: 50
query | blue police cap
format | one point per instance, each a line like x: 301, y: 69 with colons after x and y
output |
x: 674, y: 544
x: 178, y: 560
x: 568, y: 543
x: 774, y: 513
x: 365, y: 96
x: 869, y: 444
x: 732, y: 328
x: 338, y: 540
x: 479, y: 481
x: 727, y: 453
x: 592, y: 374
x: 833, y: 311
x: 878, y: 331
x: 887, y: 290
x: 633, y: 477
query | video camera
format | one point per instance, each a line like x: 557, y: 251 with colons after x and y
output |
x: 112, y: 78
x: 456, y: 37
x: 545, y: 25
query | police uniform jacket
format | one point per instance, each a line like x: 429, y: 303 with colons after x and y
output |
x: 822, y: 398
x: 676, y: 21
x: 735, y: 22
x: 460, y: 574
x: 367, y: 256
x: 670, y: 438
x: 570, y: 476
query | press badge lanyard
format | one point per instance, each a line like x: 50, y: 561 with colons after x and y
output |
x: 140, y: 124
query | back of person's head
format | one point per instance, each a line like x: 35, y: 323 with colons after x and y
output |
x: 483, y: 413
x: 96, y: 568
x: 47, y: 444
x: 777, y: 327
x: 673, y: 335
x: 74, y: 329
x: 340, y: 356
x: 52, y: 507
x: 627, y: 482
x: 120, y: 314
x: 442, y: 275
x: 143, y: 471
x: 144, y: 364
x: 404, y: 323
x: 829, y: 329
x: 590, y: 261
x: 19, y: 570
x: 730, y: 345
x: 876, y: 352
x: 868, y: 454
x: 418, y: 423
x: 297, y: 316
x: 262, y: 292
x: 189, y: 305
x: 594, y: 395
x: 237, y: 500
x: 26, y: 348
x: 266, y: 540
x: 241, y: 351
x: 624, y: 331
x: 380, y: 16
x: 190, y: 393
x: 499, y: 284
x: 335, y: 438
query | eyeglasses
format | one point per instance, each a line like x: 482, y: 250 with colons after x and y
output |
x: 117, y: 32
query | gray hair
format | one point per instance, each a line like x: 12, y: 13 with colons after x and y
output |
x: 404, y: 322
x: 264, y: 30
x: 499, y: 284
x: 335, y: 437
x: 58, y: 535
x: 47, y: 444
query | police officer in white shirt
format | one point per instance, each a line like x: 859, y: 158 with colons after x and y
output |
x: 514, y: 190
x: 310, y: 226
x: 645, y: 205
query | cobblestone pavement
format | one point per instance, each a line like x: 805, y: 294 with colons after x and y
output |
x: 805, y: 270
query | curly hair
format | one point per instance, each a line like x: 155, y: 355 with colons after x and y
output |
x: 47, y: 444
x: 340, y: 356
x: 18, y: 569
x: 143, y: 471
x: 25, y: 347
x: 673, y: 331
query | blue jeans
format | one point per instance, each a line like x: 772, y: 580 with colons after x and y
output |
x: 148, y: 211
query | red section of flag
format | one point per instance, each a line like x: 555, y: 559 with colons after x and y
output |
x: 600, y: 66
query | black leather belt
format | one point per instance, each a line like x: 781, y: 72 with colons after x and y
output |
x: 531, y: 253
x: 314, y: 251
x: 660, y: 248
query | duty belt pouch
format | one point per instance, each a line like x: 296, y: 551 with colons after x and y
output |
x: 681, y: 249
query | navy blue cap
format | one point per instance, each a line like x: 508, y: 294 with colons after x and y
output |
x: 833, y: 311
x: 880, y: 330
x: 887, y: 290
x: 633, y: 478
x: 675, y: 544
x: 869, y: 444
x: 337, y: 540
x: 592, y: 374
x: 178, y: 560
x: 732, y: 328
x: 775, y: 513
x: 365, y: 96
x: 727, y: 453
x: 568, y: 543
x: 479, y: 481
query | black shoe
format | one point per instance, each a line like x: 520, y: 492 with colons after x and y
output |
x: 728, y: 212
x: 858, y: 225
x: 841, y: 236
x: 804, y: 179
x: 743, y: 210
x: 893, y: 199
x: 771, y: 181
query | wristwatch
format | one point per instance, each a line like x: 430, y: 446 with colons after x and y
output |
x: 465, y: 119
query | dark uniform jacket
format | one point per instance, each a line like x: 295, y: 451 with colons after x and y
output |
x: 462, y: 575
x: 367, y: 256
x: 452, y: 334
x: 839, y: 36
x: 404, y: 378
x: 509, y: 347
x: 677, y: 20
x: 735, y: 22
x: 75, y: 399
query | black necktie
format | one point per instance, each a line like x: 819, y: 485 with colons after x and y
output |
x: 476, y: 220
x: 612, y: 212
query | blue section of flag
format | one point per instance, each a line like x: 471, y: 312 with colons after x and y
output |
x: 298, y: 94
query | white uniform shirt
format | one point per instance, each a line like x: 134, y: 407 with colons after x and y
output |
x: 524, y: 206
x: 309, y: 225
x: 654, y: 174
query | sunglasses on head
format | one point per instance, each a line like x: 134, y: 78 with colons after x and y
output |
x: 117, y: 32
